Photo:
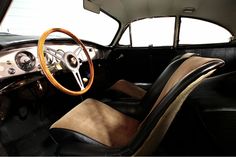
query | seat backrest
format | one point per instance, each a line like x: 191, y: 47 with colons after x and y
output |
x: 153, y: 93
x: 181, y: 82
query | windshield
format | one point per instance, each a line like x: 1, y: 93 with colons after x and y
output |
x: 31, y: 17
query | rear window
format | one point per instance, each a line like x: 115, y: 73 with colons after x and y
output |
x: 194, y: 31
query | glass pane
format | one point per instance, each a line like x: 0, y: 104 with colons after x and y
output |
x: 33, y: 17
x: 194, y: 31
x: 125, y: 39
x: 153, y: 32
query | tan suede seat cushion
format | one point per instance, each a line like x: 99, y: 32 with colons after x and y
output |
x: 99, y: 122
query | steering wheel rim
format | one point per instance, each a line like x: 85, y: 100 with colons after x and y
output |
x: 47, y: 72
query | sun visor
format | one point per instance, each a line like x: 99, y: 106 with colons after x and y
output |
x: 88, y: 5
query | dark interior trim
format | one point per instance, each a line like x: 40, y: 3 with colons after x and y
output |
x: 4, y: 4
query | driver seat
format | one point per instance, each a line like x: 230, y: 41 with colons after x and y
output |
x: 94, y: 128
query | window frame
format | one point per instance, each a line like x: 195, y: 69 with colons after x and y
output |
x: 177, y: 29
x: 108, y: 43
x: 129, y: 26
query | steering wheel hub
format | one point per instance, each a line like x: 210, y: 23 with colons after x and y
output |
x: 72, y: 61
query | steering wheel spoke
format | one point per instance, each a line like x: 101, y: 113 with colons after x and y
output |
x: 77, y: 51
x: 78, y: 78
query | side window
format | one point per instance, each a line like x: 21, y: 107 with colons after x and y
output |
x: 125, y: 39
x: 150, y: 32
x: 194, y: 31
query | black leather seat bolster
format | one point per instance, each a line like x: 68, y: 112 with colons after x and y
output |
x: 83, y: 149
x: 62, y: 135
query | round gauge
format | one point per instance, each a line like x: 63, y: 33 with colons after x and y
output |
x: 25, y: 60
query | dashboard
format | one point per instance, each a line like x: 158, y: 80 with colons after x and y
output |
x: 19, y: 61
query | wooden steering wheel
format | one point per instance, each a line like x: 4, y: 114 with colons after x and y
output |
x: 69, y: 60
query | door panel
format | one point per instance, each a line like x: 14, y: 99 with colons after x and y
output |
x: 139, y: 64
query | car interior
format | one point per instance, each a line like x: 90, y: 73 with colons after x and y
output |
x: 64, y: 96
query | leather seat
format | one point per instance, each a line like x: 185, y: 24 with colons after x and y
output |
x: 140, y: 101
x: 94, y: 128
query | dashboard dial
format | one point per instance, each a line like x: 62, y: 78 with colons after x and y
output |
x: 25, y: 60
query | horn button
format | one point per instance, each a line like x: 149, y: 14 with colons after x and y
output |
x: 72, y: 61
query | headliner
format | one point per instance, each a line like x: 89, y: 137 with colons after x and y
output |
x: 221, y: 12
